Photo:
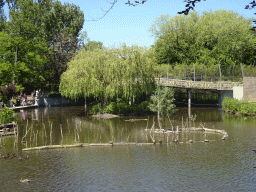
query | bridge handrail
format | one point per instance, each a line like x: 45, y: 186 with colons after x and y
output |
x: 219, y: 85
x: 203, y: 78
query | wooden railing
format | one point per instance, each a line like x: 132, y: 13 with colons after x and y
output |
x: 219, y: 85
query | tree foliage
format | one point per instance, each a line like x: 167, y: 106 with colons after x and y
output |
x: 219, y: 35
x: 162, y: 103
x: 125, y: 72
x: 93, y: 45
x: 45, y: 36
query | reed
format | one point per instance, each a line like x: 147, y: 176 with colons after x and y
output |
x: 128, y: 138
x: 36, y: 136
x: 78, y: 139
x: 51, y: 135
x: 75, y: 134
x: 61, y: 134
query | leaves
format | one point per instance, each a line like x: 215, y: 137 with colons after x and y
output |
x: 45, y: 35
x: 162, y: 101
x: 109, y: 73
x: 212, y: 36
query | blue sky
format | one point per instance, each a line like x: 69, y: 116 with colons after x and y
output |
x: 130, y: 24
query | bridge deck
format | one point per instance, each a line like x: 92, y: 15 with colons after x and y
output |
x: 220, y: 85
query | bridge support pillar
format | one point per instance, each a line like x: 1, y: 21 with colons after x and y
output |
x: 222, y: 94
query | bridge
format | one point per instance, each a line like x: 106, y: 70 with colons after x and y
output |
x: 207, y: 85
x: 223, y: 88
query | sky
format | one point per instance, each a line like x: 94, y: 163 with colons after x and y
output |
x: 130, y: 24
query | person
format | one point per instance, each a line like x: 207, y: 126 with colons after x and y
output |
x: 37, y: 93
x: 33, y: 94
x: 10, y: 102
x: 21, y: 95
x: 1, y: 102
x: 25, y: 99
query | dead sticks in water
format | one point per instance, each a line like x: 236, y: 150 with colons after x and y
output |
x: 81, y: 145
x: 136, y: 120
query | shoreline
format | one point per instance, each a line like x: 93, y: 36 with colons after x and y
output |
x: 240, y: 114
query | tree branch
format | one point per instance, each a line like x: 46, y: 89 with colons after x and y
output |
x: 106, y: 12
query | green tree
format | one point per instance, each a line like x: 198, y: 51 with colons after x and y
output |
x: 10, y: 71
x: 124, y: 72
x: 46, y: 35
x: 212, y: 36
x: 93, y: 45
x: 162, y: 103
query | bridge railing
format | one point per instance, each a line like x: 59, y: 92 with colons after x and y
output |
x: 210, y: 78
x: 218, y: 85
x: 201, y: 72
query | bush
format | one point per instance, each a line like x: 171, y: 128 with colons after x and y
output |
x: 238, y: 106
x: 96, y: 109
x: 111, y: 108
x: 5, y: 100
x: 142, y: 108
x: 6, y: 116
x: 122, y: 108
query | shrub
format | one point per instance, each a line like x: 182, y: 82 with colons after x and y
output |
x: 6, y: 116
x: 142, y: 108
x: 123, y: 108
x: 111, y: 108
x: 96, y: 109
x: 238, y: 106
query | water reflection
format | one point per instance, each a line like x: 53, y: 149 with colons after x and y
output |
x: 70, y: 125
x: 214, y: 166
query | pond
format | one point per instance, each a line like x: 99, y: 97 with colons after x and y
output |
x: 213, y: 166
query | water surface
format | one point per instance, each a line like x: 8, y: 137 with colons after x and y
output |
x: 215, y: 166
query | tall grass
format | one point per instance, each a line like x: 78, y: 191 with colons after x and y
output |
x: 238, y: 106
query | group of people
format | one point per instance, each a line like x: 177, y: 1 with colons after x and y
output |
x: 35, y: 93
x: 23, y: 98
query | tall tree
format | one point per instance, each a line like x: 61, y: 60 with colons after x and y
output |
x: 212, y: 36
x: 2, y: 15
x: 93, y: 45
x: 48, y: 37
x: 109, y: 73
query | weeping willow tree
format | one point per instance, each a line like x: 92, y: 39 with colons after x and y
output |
x: 109, y: 73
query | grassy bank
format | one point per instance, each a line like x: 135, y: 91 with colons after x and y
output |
x: 239, y: 106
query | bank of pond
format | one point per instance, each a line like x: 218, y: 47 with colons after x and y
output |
x: 239, y: 107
